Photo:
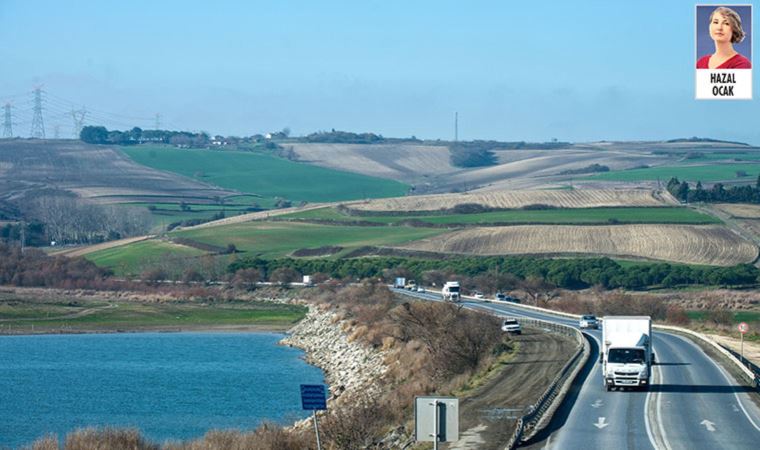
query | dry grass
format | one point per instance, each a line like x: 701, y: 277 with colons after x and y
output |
x: 689, y: 244
x: 520, y: 199
x: 739, y: 210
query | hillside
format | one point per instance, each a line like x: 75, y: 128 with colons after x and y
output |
x: 429, y: 170
x: 29, y: 168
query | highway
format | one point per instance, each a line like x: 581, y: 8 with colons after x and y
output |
x: 693, y: 402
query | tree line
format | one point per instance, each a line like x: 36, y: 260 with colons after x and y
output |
x: 718, y: 193
x: 101, y: 135
x: 576, y: 273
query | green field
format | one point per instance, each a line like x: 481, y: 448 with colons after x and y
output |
x: 738, y: 316
x: 265, y: 175
x: 130, y: 259
x: 547, y: 216
x: 704, y: 173
x: 278, y: 239
x: 73, y: 315
x: 716, y: 156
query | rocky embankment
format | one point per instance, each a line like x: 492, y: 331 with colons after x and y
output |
x: 352, y: 369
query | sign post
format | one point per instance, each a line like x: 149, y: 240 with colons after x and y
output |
x: 313, y: 398
x: 743, y: 328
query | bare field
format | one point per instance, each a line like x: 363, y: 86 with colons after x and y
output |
x: 31, y: 166
x: 739, y: 210
x: 519, y: 199
x: 689, y: 244
x: 402, y: 162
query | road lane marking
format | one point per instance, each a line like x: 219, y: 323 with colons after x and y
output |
x: 600, y: 423
x: 709, y: 425
x: 725, y: 375
x: 597, y: 404
x: 657, y: 378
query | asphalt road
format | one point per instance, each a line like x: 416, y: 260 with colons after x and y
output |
x: 693, y: 402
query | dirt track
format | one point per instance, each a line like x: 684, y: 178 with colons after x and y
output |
x: 488, y: 418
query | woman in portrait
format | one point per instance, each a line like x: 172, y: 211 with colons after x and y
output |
x: 725, y: 31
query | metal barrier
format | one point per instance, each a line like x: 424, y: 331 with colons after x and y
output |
x: 540, y: 413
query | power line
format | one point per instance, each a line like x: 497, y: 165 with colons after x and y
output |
x: 78, y: 117
x: 8, y: 123
x: 38, y: 127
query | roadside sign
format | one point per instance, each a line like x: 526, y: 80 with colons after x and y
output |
x: 743, y: 327
x: 436, y: 419
x: 313, y: 397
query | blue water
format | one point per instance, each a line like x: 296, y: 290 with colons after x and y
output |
x: 170, y: 386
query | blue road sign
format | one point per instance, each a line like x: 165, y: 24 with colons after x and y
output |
x: 313, y: 397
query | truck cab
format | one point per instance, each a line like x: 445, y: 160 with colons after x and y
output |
x: 451, y: 292
x: 627, y: 356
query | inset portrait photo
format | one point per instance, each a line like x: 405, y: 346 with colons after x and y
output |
x: 723, y: 52
x: 724, y: 37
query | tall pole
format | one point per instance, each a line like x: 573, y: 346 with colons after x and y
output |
x: 741, y: 348
x: 316, y: 428
x: 456, y: 127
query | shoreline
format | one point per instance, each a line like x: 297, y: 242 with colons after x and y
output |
x: 279, y: 329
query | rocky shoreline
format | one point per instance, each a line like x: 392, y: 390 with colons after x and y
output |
x: 352, y: 369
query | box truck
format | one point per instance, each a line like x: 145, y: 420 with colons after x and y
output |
x: 626, y: 352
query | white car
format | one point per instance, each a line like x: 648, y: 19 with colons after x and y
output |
x: 511, y: 326
x: 420, y: 289
x: 589, y: 321
x: 478, y: 294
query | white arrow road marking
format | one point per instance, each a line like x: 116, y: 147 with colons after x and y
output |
x: 709, y: 425
x: 597, y: 404
x: 601, y: 423
x: 735, y: 408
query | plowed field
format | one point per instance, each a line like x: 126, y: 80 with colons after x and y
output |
x: 520, y: 199
x: 689, y: 244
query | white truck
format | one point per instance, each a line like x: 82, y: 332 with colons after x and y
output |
x: 450, y: 291
x: 399, y: 283
x: 626, y: 352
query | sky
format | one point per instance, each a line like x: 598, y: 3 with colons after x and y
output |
x: 573, y: 71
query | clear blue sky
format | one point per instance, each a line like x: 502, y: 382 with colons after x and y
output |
x: 577, y: 71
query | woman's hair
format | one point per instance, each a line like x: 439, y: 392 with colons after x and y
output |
x: 734, y: 20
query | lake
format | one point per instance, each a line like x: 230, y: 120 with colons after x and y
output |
x: 169, y: 385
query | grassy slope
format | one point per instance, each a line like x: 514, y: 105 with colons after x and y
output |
x: 549, y: 216
x: 705, y: 173
x: 265, y: 175
x: 277, y: 239
x: 129, y: 258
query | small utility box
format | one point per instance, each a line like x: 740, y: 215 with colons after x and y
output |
x: 436, y: 416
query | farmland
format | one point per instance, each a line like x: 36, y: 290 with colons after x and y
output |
x: 264, y: 175
x: 277, y: 239
x: 519, y: 216
x: 507, y: 199
x: 704, y: 173
x: 133, y: 257
x: 710, y: 245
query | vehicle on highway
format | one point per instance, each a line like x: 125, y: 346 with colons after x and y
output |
x: 399, y: 283
x: 500, y: 297
x: 420, y: 289
x: 411, y: 285
x: 511, y: 326
x: 627, y: 356
x: 478, y: 294
x: 589, y: 321
x: 450, y: 291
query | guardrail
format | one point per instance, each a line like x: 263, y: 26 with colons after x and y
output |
x: 541, y: 412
